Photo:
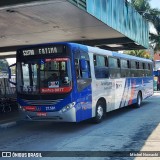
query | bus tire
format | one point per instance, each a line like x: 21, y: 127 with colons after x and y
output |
x: 139, y: 100
x: 99, y: 112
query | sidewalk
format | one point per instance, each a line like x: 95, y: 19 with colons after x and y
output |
x: 156, y: 92
x: 9, y: 119
x: 152, y: 144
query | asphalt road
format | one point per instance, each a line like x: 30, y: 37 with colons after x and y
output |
x: 126, y: 129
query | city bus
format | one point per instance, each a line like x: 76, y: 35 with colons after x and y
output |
x: 69, y: 82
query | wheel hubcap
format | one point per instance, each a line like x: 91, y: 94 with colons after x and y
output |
x: 99, y: 112
x: 139, y: 100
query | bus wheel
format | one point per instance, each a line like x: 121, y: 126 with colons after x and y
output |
x: 99, y: 113
x: 139, y: 100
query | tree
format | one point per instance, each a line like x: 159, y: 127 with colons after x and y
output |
x: 153, y: 16
x: 142, y: 6
x: 138, y: 53
x: 155, y: 38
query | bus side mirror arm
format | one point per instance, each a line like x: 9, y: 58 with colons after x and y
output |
x: 10, y: 74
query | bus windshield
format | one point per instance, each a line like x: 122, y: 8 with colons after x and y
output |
x: 44, y: 76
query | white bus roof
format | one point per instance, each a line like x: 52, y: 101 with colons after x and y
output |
x: 116, y: 54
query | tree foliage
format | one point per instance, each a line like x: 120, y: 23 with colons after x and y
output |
x: 138, y: 53
x: 153, y: 16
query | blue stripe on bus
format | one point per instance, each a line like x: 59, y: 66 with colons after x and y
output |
x: 84, y: 104
x: 134, y: 85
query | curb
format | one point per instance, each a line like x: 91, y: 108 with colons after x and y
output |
x: 8, y: 124
x: 11, y: 123
x: 155, y: 94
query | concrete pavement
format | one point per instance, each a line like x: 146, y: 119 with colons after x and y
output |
x: 9, y: 119
x: 127, y: 129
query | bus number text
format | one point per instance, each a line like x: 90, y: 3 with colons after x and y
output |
x: 28, y: 52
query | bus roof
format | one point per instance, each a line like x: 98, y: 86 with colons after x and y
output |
x: 111, y: 53
x: 116, y: 54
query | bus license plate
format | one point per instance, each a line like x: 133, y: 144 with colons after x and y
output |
x: 43, y: 114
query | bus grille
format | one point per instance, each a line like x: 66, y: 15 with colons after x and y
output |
x: 41, y: 102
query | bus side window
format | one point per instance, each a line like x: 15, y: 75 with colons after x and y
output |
x: 149, y: 68
x: 101, y: 66
x: 114, y: 67
x: 85, y: 69
x: 125, y: 71
x: 133, y: 69
x: 77, y: 68
x: 137, y: 69
x: 82, y: 69
x: 118, y: 63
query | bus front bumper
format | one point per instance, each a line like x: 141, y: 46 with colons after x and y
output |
x: 59, y: 116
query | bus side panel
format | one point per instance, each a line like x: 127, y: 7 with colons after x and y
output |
x: 82, y: 96
x: 125, y: 92
x: 121, y: 92
x: 133, y: 86
x: 116, y: 92
x: 103, y: 89
x: 84, y: 105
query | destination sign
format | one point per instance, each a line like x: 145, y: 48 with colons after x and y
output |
x: 44, y: 50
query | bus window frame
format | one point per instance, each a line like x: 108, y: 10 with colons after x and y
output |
x: 103, y: 68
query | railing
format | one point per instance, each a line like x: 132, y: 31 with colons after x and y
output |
x: 7, y: 89
x: 7, y: 96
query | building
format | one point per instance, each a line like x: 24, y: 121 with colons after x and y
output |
x: 157, y: 56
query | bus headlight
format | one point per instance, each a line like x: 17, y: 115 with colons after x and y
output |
x: 21, y: 108
x: 68, y: 107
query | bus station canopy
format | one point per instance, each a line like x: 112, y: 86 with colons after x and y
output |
x: 27, y: 22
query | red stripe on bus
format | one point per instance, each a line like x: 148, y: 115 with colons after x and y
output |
x: 56, y: 90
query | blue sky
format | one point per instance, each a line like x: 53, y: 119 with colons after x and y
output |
x: 155, y: 3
